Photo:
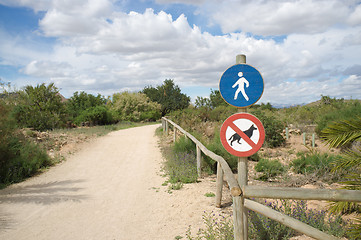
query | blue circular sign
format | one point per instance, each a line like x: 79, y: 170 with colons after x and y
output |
x: 241, y: 85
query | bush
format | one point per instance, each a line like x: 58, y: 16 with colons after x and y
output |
x: 182, y: 168
x: 269, y: 168
x: 218, y: 226
x: 216, y: 146
x: 40, y: 108
x: 313, y: 163
x: 81, y: 102
x: 181, y: 164
x: 24, y: 160
x: 273, y: 129
x: 19, y: 158
x: 184, y: 145
x: 134, y: 107
x: 99, y: 115
x: 338, y: 111
x: 262, y: 227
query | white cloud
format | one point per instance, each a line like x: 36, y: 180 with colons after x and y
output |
x: 355, y: 17
x: 280, y: 17
x: 98, y: 49
x: 47, y: 69
x: 72, y: 18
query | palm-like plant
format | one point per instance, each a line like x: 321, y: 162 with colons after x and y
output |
x: 345, y: 133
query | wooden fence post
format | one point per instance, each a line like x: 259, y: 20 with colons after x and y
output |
x: 304, y: 138
x: 166, y: 127
x: 287, y: 133
x: 175, y: 134
x: 219, y: 185
x: 238, y: 218
x: 199, y: 161
x: 242, y: 175
x: 313, y: 140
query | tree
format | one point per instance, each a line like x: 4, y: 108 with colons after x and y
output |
x: 202, y: 102
x: 347, y: 134
x: 84, y: 107
x: 216, y: 99
x: 40, y: 107
x: 82, y: 101
x: 168, y: 95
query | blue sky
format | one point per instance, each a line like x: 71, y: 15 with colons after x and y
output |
x: 303, y: 48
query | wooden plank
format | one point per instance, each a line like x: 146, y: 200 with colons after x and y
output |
x: 232, y: 182
x: 288, y: 221
x: 302, y: 193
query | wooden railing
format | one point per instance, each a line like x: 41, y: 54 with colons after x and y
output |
x: 239, y: 194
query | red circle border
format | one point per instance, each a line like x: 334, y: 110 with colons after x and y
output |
x: 234, y: 117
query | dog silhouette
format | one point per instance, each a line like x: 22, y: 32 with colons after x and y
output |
x: 248, y: 132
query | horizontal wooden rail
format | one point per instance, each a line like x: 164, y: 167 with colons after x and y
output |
x: 248, y: 191
x: 232, y: 182
x: 302, y: 193
x: 286, y: 220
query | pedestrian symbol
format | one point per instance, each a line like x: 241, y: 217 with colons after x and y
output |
x: 241, y: 85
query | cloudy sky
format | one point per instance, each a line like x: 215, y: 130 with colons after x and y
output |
x: 303, y: 48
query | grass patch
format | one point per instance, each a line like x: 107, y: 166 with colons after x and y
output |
x: 317, y: 165
x: 210, y: 194
x: 181, y: 168
x: 269, y: 168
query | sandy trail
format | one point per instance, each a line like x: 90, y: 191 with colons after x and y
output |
x: 111, y: 189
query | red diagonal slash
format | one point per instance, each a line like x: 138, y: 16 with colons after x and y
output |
x: 242, y: 134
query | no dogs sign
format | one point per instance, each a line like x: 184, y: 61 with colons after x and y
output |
x: 242, y: 134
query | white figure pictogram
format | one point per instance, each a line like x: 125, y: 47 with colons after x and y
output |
x: 241, y: 81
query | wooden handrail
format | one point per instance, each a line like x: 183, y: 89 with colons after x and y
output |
x: 232, y: 182
x: 269, y: 192
x: 302, y: 193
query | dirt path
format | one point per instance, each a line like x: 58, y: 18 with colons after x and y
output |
x: 111, y: 189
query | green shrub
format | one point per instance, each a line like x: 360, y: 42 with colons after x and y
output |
x: 262, y: 227
x: 40, y: 107
x: 273, y: 129
x: 338, y: 111
x: 184, y: 145
x: 221, y: 113
x: 82, y: 101
x: 134, y: 107
x: 25, y: 159
x: 218, y: 226
x: 19, y: 158
x: 181, y: 168
x: 216, y: 146
x: 98, y: 115
x: 269, y: 168
x: 313, y: 163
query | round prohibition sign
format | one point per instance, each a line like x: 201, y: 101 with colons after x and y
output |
x: 242, y: 134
